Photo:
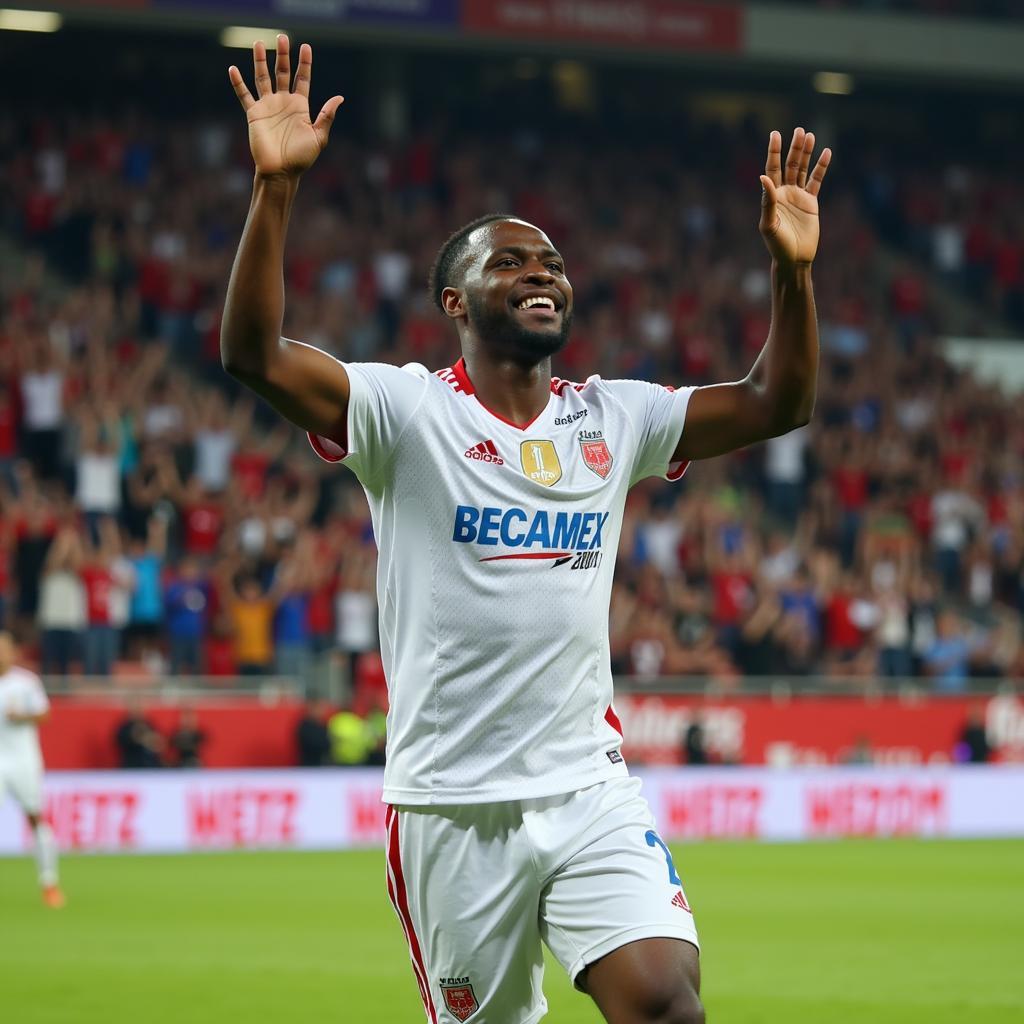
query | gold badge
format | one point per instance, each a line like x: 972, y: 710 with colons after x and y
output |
x: 540, y: 462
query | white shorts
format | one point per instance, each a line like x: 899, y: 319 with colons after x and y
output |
x: 24, y: 781
x: 478, y: 887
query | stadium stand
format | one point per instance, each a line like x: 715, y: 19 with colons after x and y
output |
x: 153, y: 515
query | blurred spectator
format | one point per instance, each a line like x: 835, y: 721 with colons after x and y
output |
x: 972, y: 744
x: 250, y: 611
x: 138, y: 742
x: 351, y: 740
x: 187, y: 740
x: 756, y: 649
x: 924, y: 617
x: 123, y: 581
x: 34, y: 527
x: 784, y: 470
x: 42, y: 400
x: 660, y: 537
x: 320, y: 610
x: 955, y: 516
x: 292, y: 640
x: 356, y: 608
x: 62, y: 605
x: 948, y: 659
x: 369, y: 685
x: 799, y: 598
x: 187, y: 600
x: 145, y: 561
x: 694, y: 742
x: 376, y: 732
x: 101, y: 640
x: 146, y: 485
x: 217, y: 430
x: 892, y: 633
x: 97, y: 472
x: 312, y: 737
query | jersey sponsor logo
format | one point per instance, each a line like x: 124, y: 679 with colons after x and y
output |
x: 540, y: 462
x: 542, y: 534
x: 565, y: 421
x: 459, y: 998
x: 595, y: 452
x: 614, y: 756
x: 485, y: 452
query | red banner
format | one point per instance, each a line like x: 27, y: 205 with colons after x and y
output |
x: 651, y: 24
x: 747, y: 730
x: 239, y: 733
x: 817, y: 730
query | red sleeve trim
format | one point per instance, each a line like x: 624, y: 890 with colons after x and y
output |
x: 613, y: 719
x: 328, y: 450
x: 676, y: 470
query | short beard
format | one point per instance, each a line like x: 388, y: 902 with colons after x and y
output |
x: 502, y: 331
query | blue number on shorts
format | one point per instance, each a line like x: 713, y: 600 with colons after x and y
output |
x: 653, y: 839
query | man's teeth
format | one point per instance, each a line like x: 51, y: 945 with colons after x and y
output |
x: 536, y: 300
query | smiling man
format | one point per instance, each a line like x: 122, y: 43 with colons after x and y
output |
x: 497, y: 493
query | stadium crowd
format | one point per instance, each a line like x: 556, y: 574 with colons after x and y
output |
x: 152, y: 514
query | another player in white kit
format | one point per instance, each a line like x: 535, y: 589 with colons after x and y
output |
x: 23, y: 705
x: 497, y: 493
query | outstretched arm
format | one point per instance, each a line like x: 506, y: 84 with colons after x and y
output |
x: 778, y: 393
x: 305, y: 385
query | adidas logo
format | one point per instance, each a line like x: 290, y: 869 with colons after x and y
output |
x: 679, y: 900
x: 485, y: 452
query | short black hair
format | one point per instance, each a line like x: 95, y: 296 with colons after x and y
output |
x: 451, y: 254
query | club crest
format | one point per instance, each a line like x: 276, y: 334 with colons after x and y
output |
x: 460, y: 1000
x: 595, y: 451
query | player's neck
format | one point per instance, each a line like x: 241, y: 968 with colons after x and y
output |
x: 513, y: 391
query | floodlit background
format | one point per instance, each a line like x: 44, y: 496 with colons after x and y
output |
x: 832, y: 622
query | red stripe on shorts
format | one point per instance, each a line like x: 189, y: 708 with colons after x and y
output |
x: 389, y: 817
x: 421, y: 983
x: 400, y: 900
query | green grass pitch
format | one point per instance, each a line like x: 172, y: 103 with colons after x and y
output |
x: 836, y: 933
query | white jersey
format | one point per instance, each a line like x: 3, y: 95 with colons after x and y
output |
x: 21, y: 692
x: 496, y: 551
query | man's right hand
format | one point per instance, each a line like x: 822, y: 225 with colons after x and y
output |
x: 282, y: 138
x: 307, y: 386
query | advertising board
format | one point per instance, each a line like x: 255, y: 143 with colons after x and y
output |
x: 310, y: 809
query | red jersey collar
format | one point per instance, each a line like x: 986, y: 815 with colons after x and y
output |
x: 466, y: 385
x: 459, y: 369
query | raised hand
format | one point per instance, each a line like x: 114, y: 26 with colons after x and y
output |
x: 282, y: 138
x: 789, y: 204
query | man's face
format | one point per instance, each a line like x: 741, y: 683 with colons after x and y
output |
x: 517, y: 298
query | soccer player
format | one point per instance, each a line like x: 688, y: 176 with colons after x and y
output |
x: 23, y: 705
x: 497, y: 494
